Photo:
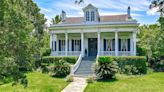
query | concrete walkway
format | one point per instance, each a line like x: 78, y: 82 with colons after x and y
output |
x: 78, y: 85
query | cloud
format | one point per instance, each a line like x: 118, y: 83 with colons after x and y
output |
x: 152, y: 11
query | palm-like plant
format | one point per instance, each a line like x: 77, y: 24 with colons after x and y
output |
x: 56, y: 20
x: 159, y: 4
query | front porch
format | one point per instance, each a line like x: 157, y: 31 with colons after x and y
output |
x: 104, y: 44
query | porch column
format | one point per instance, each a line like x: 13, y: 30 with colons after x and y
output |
x: 51, y: 41
x: 116, y: 43
x: 66, y: 44
x: 98, y: 43
x: 134, y: 43
x: 82, y: 44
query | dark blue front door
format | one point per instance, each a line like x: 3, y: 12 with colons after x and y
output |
x: 92, y: 46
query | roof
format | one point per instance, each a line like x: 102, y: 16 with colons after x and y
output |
x: 108, y: 18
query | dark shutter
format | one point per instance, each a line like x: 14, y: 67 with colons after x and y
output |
x: 113, y: 44
x: 119, y: 44
x: 59, y: 45
x: 104, y: 44
x: 128, y: 44
x: 52, y: 46
x: 55, y: 45
x: 80, y: 44
x: 72, y: 45
x: 68, y: 45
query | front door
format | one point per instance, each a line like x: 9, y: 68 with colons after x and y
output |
x: 92, y: 46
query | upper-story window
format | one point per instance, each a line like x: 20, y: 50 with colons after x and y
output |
x: 87, y: 16
x: 92, y: 16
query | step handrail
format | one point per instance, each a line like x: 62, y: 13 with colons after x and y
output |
x: 76, y: 66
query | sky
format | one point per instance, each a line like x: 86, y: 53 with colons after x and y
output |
x: 139, y: 9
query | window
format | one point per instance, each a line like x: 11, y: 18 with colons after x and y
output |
x: 92, y: 16
x: 124, y: 45
x: 62, y: 45
x: 87, y: 16
x: 110, y: 45
x: 76, y: 45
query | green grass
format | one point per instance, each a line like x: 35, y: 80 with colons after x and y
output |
x: 38, y: 82
x: 148, y: 83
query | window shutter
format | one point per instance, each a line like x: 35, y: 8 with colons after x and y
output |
x: 113, y: 44
x: 55, y: 45
x: 128, y: 44
x: 80, y: 44
x: 119, y: 44
x: 72, y: 45
x: 104, y: 44
x: 59, y: 45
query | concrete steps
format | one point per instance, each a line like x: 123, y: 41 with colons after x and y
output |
x: 86, y: 67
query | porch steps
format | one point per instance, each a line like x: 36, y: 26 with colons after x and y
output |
x: 86, y: 67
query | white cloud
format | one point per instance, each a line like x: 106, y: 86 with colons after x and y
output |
x: 152, y: 11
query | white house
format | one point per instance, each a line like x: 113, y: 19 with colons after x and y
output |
x: 93, y: 34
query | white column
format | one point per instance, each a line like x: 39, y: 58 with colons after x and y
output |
x: 98, y: 43
x: 116, y: 43
x: 134, y: 43
x: 82, y: 44
x: 57, y: 45
x: 51, y: 41
x: 66, y: 44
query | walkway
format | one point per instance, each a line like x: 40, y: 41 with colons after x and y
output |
x: 78, y: 85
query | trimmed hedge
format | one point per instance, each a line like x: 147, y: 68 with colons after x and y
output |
x: 128, y: 64
x: 52, y: 59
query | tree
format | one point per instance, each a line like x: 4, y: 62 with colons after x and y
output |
x: 159, y: 4
x: 56, y: 20
x: 18, y: 42
x: 79, y: 1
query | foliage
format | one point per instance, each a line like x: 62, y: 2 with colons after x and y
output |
x: 21, y: 32
x: 131, y: 64
x: 151, y: 39
x: 38, y: 82
x: 45, y: 51
x: 106, y: 68
x: 52, y: 59
x: 59, y: 69
x: 56, y: 20
x: 147, y: 83
x: 90, y: 79
x: 69, y: 78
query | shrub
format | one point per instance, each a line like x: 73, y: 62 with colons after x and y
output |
x: 45, y: 51
x: 159, y: 66
x: 90, y: 79
x: 136, y: 64
x: 47, y: 60
x: 106, y: 68
x: 59, y: 69
x: 69, y: 78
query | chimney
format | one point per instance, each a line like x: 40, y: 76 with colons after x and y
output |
x: 63, y: 16
x: 128, y: 13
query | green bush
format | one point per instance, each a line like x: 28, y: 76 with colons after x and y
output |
x: 47, y: 60
x: 90, y: 79
x: 45, y: 51
x: 129, y: 64
x: 59, y: 69
x: 106, y: 68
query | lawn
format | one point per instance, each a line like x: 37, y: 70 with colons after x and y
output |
x: 38, y: 82
x: 148, y: 83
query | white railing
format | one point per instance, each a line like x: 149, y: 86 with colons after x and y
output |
x: 107, y: 53
x: 77, y: 64
x: 74, y: 53
x: 120, y: 53
x: 125, y: 53
x: 63, y: 53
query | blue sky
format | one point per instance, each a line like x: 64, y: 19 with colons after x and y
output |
x: 139, y: 8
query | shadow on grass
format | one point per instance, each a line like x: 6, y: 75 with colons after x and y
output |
x: 107, y: 80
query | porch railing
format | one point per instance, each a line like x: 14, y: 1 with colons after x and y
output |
x: 120, y: 53
x: 77, y: 64
x: 63, y: 53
